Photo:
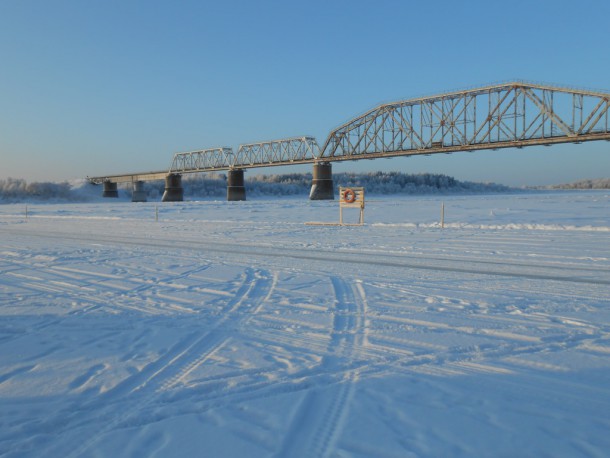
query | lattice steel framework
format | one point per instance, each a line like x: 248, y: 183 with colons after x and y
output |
x: 262, y: 154
x: 514, y: 114
x: 202, y: 161
x: 277, y: 152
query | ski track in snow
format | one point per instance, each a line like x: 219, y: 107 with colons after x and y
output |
x: 271, y: 338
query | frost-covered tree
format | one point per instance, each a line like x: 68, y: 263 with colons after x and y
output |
x: 214, y: 186
x: 600, y: 183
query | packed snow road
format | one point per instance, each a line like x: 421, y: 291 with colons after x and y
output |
x: 227, y: 329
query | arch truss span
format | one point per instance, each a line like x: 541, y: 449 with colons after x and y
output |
x: 203, y: 160
x: 515, y: 114
x: 295, y: 150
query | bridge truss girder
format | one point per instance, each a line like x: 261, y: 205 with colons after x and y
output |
x: 295, y: 150
x: 286, y: 151
x: 510, y: 115
x: 202, y: 161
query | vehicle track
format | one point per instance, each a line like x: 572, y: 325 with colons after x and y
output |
x: 475, y: 266
x: 317, y: 424
x: 348, y: 354
x: 147, y: 386
x: 329, y: 389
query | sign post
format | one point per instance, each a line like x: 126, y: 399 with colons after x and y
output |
x: 351, y: 198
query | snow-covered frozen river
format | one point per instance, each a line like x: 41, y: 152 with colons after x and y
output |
x: 234, y: 329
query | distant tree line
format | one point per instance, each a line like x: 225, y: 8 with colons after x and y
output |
x: 600, y: 183
x: 214, y: 185
x: 12, y: 189
x: 380, y: 183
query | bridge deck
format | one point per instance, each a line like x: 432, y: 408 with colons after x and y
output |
x: 129, y: 177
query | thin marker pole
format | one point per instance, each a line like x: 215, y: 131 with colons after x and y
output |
x: 442, y: 215
x: 156, y: 213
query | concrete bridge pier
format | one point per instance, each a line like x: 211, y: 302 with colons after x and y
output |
x: 138, y: 194
x: 110, y: 189
x: 235, y: 185
x: 322, y: 183
x: 174, y: 192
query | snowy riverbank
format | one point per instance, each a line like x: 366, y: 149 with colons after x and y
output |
x: 234, y: 329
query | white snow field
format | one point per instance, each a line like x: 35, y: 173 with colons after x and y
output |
x: 234, y: 329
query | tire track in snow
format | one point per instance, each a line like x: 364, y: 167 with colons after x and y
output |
x: 146, y: 387
x: 15, y: 372
x: 35, y: 282
x: 319, y: 379
x: 319, y: 419
x: 330, y: 382
x: 499, y: 357
x: 474, y: 266
x: 46, y: 275
x: 390, y: 350
x: 390, y: 360
x: 450, y: 361
x: 257, y: 290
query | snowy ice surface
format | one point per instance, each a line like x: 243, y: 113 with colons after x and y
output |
x: 234, y: 329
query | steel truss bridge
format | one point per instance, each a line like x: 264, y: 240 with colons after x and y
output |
x: 297, y: 150
x: 509, y: 115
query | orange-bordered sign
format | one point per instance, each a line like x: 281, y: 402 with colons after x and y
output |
x: 349, y: 196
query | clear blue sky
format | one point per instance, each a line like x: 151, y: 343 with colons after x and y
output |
x: 92, y: 87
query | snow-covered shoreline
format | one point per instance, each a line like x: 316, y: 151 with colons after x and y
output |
x: 234, y: 329
x: 212, y: 186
